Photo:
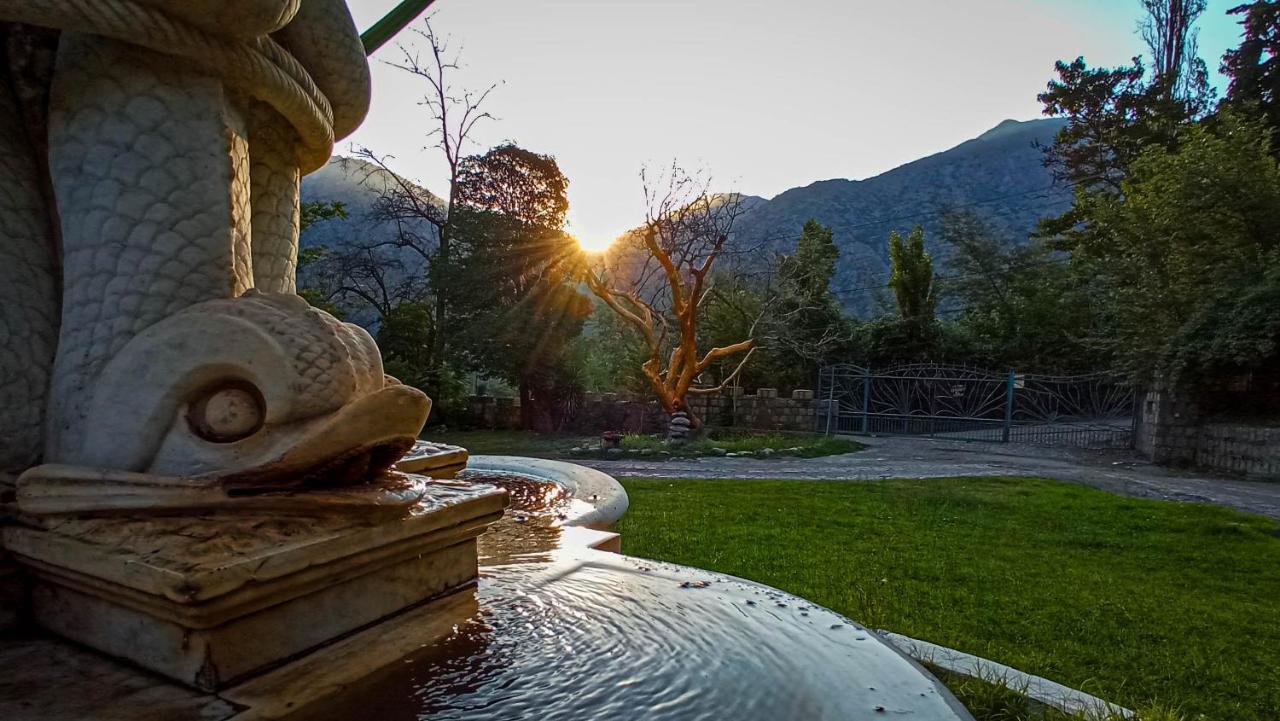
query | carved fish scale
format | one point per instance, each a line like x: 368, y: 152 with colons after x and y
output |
x: 174, y: 156
x: 28, y: 287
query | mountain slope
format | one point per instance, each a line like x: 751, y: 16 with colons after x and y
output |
x: 999, y: 174
x: 357, y: 184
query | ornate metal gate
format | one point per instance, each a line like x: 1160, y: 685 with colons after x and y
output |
x: 1090, y: 411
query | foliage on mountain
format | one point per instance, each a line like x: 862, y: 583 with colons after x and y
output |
x: 309, y: 214
x: 319, y: 211
x: 1021, y: 306
x: 1000, y: 174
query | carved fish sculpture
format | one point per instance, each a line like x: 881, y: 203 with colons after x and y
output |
x: 152, y: 151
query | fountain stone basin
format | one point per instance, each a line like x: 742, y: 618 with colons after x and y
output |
x: 561, y: 630
x: 552, y: 629
x: 209, y: 599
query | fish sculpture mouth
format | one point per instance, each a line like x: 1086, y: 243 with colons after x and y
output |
x: 343, y: 463
x: 356, y: 445
x: 233, y: 403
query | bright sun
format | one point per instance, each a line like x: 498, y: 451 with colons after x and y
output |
x: 595, y: 244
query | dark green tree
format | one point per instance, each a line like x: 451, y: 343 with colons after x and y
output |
x: 804, y: 326
x: 405, y: 339
x: 1192, y: 234
x: 516, y: 307
x: 1114, y: 114
x: 309, y: 284
x: 1254, y: 67
x: 611, y: 354
x: 736, y: 307
x: 1021, y: 305
x: 911, y: 277
x: 1106, y: 111
x: 318, y: 211
x: 806, y: 274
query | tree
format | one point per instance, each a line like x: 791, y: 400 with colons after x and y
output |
x: 308, y: 215
x: 1105, y: 110
x: 1114, y: 113
x: 685, y: 231
x: 1021, y: 305
x: 1254, y: 67
x: 515, y: 301
x: 611, y: 353
x: 735, y: 307
x: 454, y: 113
x: 911, y: 277
x: 405, y: 338
x: 518, y: 183
x: 801, y: 325
x: 1192, y: 233
x: 1170, y: 34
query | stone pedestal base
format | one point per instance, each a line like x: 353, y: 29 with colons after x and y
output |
x: 438, y: 460
x: 13, y: 594
x: 13, y: 583
x: 209, y: 600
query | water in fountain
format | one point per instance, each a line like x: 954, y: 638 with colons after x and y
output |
x: 569, y: 633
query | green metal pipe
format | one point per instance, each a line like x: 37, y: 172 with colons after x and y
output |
x: 392, y: 23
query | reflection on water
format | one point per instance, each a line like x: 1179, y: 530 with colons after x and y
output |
x: 570, y: 633
x: 529, y: 532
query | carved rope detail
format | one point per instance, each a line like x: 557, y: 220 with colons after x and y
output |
x: 259, y: 67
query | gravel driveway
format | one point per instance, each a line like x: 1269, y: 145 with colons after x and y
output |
x: 1121, y: 472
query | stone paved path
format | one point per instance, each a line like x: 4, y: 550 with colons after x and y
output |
x: 1120, y: 472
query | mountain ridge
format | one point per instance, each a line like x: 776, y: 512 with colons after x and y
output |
x: 999, y: 174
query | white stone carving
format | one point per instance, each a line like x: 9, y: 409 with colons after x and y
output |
x: 176, y: 134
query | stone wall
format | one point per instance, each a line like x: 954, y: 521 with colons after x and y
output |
x: 1250, y: 450
x: 1172, y: 431
x: 764, y: 410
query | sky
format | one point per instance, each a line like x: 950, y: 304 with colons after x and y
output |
x: 762, y: 96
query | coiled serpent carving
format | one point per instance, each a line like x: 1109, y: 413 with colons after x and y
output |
x: 152, y: 151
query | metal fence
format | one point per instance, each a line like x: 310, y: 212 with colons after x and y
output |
x: 1088, y: 411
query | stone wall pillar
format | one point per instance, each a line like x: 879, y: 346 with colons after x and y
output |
x: 1168, y: 427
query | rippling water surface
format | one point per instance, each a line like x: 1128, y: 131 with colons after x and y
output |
x: 565, y: 633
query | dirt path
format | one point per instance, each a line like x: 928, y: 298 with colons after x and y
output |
x: 894, y: 457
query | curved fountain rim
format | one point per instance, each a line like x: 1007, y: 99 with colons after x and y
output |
x: 601, y: 491
x: 609, y: 501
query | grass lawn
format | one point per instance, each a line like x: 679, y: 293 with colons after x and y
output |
x: 802, y: 445
x: 1144, y: 603
x: 558, y: 445
x: 509, y: 443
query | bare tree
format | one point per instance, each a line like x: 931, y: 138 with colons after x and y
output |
x: 454, y: 112
x: 367, y: 275
x: 1170, y: 34
x: 685, y: 231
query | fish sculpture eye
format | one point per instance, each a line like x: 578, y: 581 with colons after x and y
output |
x: 227, y: 412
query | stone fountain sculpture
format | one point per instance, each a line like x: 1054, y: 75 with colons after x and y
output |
x: 200, y: 456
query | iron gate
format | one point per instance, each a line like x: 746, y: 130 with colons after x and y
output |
x: 1089, y: 411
